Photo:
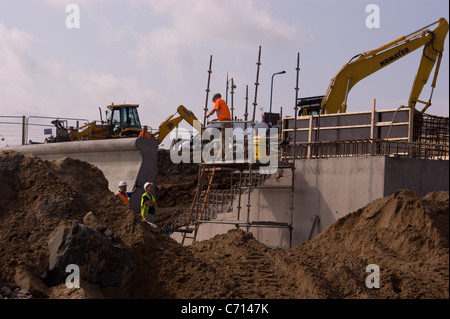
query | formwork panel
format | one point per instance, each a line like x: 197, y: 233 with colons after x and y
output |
x: 392, y: 124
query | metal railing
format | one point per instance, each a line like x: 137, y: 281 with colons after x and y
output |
x: 31, y: 129
x: 393, y: 148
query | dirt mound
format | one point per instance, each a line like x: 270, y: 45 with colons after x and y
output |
x: 40, y: 196
x: 405, y: 235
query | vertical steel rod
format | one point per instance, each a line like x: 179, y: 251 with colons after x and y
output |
x: 240, y: 194
x: 256, y: 84
x: 294, y: 154
x: 232, y: 99
x: 199, y: 192
x: 207, y: 91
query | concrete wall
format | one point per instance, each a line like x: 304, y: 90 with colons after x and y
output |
x: 419, y: 175
x: 128, y: 159
x: 329, y: 188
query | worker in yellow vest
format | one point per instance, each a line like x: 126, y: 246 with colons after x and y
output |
x: 148, y: 204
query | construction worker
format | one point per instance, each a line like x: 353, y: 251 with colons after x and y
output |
x: 148, y: 204
x: 223, y: 115
x: 123, y: 194
x: 145, y: 133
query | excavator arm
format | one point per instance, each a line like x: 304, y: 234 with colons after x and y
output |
x: 363, y: 65
x: 171, y: 122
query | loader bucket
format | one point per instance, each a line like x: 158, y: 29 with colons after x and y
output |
x: 133, y: 160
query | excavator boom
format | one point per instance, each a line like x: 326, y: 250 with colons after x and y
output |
x: 170, y: 123
x: 365, y: 64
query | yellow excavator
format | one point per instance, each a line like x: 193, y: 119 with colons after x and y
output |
x: 367, y: 63
x: 171, y: 122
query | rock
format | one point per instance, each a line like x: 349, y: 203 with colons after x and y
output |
x: 108, y: 233
x: 6, y: 290
x: 94, y: 222
x: 30, y: 282
x: 99, y: 260
x: 23, y: 292
x: 85, y: 291
x: 54, y: 243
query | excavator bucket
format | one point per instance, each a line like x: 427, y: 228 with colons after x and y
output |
x: 133, y: 160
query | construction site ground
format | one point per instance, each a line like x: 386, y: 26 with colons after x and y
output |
x: 404, y: 234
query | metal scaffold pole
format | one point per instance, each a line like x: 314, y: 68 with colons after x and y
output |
x: 251, y: 144
x: 246, y: 107
x: 256, y: 85
x: 294, y: 155
x: 232, y: 99
x: 207, y: 91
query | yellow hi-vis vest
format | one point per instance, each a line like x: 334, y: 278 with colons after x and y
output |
x: 145, y: 210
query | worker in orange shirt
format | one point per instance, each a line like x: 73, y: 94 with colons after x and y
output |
x: 122, y: 194
x: 145, y: 133
x: 223, y: 115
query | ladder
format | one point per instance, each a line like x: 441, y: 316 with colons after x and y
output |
x: 195, y: 203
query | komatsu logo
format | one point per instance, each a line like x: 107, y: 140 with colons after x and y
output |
x: 394, y: 57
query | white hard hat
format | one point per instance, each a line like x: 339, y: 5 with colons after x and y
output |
x: 122, y: 183
x: 146, y: 184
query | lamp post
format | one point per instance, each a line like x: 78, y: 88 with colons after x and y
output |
x: 271, y: 90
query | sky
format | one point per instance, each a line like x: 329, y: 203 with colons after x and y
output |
x: 59, y: 62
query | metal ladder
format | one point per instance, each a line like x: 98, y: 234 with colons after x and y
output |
x: 195, y: 204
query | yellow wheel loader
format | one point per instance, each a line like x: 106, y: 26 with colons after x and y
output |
x: 122, y: 121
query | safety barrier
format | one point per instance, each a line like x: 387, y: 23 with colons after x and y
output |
x: 367, y: 148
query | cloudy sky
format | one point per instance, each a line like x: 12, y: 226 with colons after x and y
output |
x: 156, y: 53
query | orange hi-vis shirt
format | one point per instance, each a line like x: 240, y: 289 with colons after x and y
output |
x: 145, y: 135
x: 222, y: 110
x: 122, y: 197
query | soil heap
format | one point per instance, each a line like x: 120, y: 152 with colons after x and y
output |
x: 404, y: 234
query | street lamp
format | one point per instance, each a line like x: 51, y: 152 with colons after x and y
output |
x: 271, y: 90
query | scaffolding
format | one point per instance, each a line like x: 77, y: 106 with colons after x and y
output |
x: 249, y: 179
x: 402, y: 132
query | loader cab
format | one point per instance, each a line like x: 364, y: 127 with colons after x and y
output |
x: 310, y: 105
x: 123, y: 120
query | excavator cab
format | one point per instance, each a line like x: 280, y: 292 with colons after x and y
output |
x: 310, y: 105
x: 123, y: 120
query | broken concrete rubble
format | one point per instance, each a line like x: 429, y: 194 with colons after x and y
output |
x: 99, y: 260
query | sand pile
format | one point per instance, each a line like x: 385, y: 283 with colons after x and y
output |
x: 404, y: 234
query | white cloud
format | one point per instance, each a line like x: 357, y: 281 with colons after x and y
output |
x: 16, y: 68
x: 46, y: 87
x: 111, y: 33
x: 16, y: 60
x: 230, y: 26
